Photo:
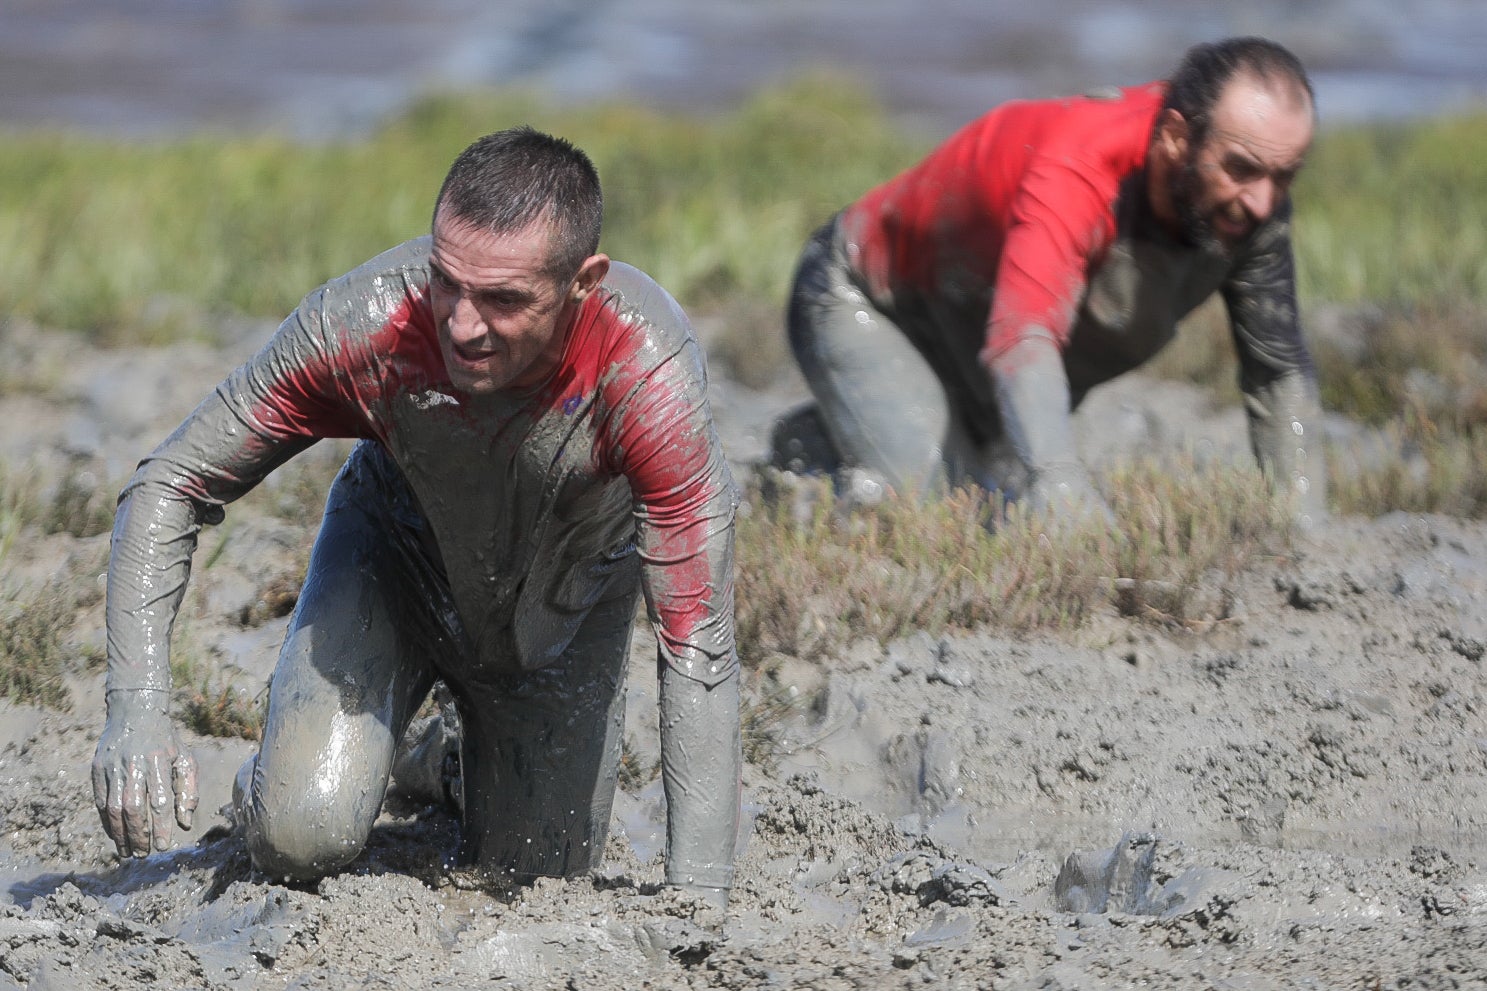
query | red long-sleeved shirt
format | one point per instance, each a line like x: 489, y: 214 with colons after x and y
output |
x: 1035, y: 215
x: 536, y: 500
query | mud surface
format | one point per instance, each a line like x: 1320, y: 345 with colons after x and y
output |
x: 1295, y: 797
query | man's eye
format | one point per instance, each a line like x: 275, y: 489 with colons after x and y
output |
x: 503, y: 300
x: 1241, y: 171
x: 441, y: 281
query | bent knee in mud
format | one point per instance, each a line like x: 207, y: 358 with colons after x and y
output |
x: 302, y: 836
x: 296, y: 850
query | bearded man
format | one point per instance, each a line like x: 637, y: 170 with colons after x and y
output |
x: 950, y: 320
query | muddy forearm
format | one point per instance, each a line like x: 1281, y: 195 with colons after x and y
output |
x: 701, y: 762
x: 1032, y: 392
x: 1285, y: 433
x: 149, y: 564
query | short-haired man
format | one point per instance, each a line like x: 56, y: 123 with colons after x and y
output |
x: 950, y: 320
x: 536, y: 449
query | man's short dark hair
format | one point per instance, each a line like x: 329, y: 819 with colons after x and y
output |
x: 1206, y: 69
x: 506, y: 181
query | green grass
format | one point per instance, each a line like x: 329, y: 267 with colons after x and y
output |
x: 142, y: 242
x: 1396, y: 214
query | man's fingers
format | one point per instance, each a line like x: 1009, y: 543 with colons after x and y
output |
x: 100, y: 802
x: 112, y: 810
x: 135, y: 808
x: 183, y: 778
x: 160, y: 802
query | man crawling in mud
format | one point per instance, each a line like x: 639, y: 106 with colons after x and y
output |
x: 950, y: 320
x: 535, y: 451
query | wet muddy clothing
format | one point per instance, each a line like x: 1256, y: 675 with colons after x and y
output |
x: 498, y: 542
x: 1025, y: 246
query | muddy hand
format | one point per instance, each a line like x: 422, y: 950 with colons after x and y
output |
x: 142, y: 778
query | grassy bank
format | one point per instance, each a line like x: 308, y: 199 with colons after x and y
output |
x: 137, y: 241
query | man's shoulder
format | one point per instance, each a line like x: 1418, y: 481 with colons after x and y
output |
x: 409, y: 258
x: 1103, y: 116
x: 638, y: 296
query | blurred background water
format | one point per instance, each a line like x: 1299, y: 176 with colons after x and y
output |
x: 316, y: 68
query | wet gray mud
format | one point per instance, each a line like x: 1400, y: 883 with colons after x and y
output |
x: 1295, y: 797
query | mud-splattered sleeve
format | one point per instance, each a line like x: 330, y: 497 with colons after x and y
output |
x: 266, y: 411
x: 1260, y: 294
x: 684, y: 503
x: 1276, y: 372
x: 663, y: 438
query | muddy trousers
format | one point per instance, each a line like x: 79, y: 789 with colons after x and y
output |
x: 374, y: 627
x: 879, y: 398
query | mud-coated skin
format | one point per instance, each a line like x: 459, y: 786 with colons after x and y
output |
x: 925, y: 315
x: 498, y: 542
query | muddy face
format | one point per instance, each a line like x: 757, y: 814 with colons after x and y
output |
x: 502, y: 316
x: 1235, y: 179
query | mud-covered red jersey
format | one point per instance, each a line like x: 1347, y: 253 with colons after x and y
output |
x: 539, y: 501
x: 1035, y: 215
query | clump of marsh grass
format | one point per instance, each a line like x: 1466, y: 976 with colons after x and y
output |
x: 810, y: 584
x: 75, y: 503
x: 79, y: 504
x: 36, y: 624
x: 224, y: 712
x: 35, y: 649
x: 1413, y: 377
x: 763, y: 716
x: 205, y: 705
x: 1413, y: 466
x: 1387, y: 365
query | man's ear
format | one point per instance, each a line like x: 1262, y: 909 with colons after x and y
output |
x: 590, y: 274
x: 1173, y: 135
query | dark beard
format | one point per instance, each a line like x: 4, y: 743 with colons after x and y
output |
x: 1197, y: 229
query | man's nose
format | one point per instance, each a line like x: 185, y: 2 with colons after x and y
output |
x: 464, y: 320
x: 1258, y: 199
